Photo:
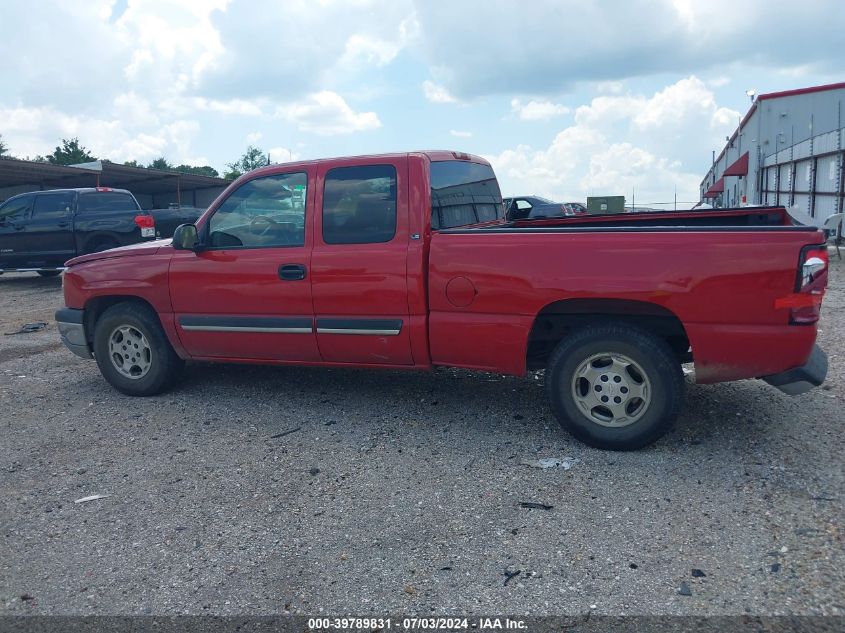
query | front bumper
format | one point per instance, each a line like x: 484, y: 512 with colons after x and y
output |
x: 72, y: 331
x: 802, y: 379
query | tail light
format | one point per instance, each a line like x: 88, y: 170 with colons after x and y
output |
x: 805, y: 304
x: 147, y: 224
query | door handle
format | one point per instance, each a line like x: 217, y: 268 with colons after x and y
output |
x: 292, y: 272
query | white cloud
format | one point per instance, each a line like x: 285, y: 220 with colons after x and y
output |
x: 435, y: 93
x: 371, y: 50
x: 624, y: 142
x: 299, y: 47
x: 33, y: 131
x: 725, y: 118
x: 676, y: 102
x: 609, y: 87
x: 718, y: 82
x: 282, y: 155
x: 540, y: 110
x: 253, y: 137
x: 241, y: 107
x: 605, y: 42
x: 326, y: 113
x: 460, y: 134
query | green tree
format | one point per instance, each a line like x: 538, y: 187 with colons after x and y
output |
x: 4, y: 149
x: 161, y: 163
x: 132, y: 163
x: 253, y: 158
x: 70, y: 152
x: 205, y: 170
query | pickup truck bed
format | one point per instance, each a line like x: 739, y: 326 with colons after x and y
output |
x: 723, y: 310
x: 406, y: 261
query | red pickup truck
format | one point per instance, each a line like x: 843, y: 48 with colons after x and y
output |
x: 406, y: 261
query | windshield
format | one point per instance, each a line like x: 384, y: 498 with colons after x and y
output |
x: 544, y: 200
x: 463, y: 193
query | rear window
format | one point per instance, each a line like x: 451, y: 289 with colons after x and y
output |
x: 102, y: 201
x: 463, y: 193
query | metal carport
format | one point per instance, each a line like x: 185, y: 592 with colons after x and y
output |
x: 154, y: 188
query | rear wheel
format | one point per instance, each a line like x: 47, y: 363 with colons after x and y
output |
x: 614, y: 386
x: 132, y: 350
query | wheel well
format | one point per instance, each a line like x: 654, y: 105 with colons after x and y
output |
x: 99, y: 238
x: 557, y: 319
x: 96, y: 306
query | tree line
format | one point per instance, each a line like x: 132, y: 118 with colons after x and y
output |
x: 71, y: 152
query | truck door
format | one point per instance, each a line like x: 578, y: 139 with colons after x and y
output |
x: 49, y: 231
x: 246, y: 293
x: 14, y: 214
x: 358, y: 265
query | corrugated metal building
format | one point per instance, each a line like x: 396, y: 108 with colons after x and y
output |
x: 788, y: 150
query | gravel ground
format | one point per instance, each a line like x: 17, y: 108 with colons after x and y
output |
x: 274, y: 490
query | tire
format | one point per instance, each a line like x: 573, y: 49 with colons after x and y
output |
x: 150, y: 365
x: 100, y: 245
x: 614, y: 386
x: 49, y: 273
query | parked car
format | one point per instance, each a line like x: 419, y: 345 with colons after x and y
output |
x: 41, y: 230
x: 406, y: 261
x: 166, y: 220
x: 536, y: 207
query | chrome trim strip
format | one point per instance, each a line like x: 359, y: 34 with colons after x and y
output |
x: 328, y: 330
x: 32, y: 270
x: 272, y: 330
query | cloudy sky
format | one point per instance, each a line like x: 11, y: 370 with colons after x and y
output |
x: 565, y: 98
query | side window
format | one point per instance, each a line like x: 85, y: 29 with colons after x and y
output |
x: 359, y: 205
x: 52, y: 205
x: 15, y: 210
x: 106, y: 201
x: 268, y: 211
x: 523, y: 205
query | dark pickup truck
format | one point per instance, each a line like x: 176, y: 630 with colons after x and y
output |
x: 41, y: 230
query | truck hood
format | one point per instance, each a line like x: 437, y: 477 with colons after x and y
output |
x: 143, y: 248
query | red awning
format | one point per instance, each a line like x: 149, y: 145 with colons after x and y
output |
x: 739, y: 167
x: 717, y: 188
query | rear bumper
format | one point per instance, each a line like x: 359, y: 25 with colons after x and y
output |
x: 72, y: 330
x: 802, y: 379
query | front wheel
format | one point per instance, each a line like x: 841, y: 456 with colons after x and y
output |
x: 615, y: 386
x: 132, y: 350
x: 49, y: 273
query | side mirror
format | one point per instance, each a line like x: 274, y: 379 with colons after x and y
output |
x: 185, y: 237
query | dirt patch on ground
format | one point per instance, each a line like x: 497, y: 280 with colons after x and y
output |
x: 10, y: 353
